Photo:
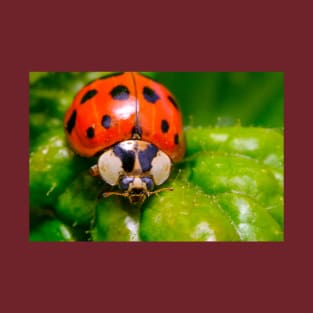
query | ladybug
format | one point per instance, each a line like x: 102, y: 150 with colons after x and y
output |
x: 134, y: 125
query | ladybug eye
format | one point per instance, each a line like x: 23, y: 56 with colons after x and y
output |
x: 148, y: 181
x: 124, y: 183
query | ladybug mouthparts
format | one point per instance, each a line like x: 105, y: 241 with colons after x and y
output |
x: 137, y: 195
x: 136, y: 189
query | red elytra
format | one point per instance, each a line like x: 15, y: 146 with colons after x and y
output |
x: 120, y: 107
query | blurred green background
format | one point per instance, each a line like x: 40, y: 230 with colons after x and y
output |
x: 226, y: 98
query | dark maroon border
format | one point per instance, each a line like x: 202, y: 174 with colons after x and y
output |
x: 150, y: 277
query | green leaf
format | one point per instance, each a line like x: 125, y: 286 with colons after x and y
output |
x: 186, y: 214
x: 75, y: 207
x: 52, y: 166
x: 116, y: 221
x: 51, y: 230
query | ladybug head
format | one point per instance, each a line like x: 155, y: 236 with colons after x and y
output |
x: 136, y: 189
x: 134, y: 166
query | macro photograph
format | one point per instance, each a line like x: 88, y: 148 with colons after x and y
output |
x: 156, y: 156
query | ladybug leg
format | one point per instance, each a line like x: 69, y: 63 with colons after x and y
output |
x: 94, y: 170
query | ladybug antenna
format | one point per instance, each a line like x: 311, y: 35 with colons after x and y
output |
x: 116, y: 193
x: 126, y: 194
x: 160, y: 190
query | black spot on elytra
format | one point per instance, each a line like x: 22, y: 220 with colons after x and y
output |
x: 106, y: 121
x: 172, y: 100
x: 90, y: 132
x: 146, y: 157
x: 88, y: 95
x: 150, y: 95
x: 136, y: 131
x: 126, y: 156
x: 176, y: 139
x: 120, y: 92
x: 165, y: 126
x: 71, y: 122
